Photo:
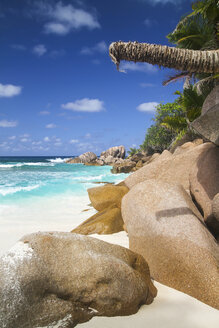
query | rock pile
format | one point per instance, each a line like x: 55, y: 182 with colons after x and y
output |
x: 170, y: 211
x: 109, y: 157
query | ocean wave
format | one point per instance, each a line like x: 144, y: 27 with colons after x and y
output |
x: 9, y: 166
x: 58, y: 160
x: 90, y: 178
x: 12, y: 190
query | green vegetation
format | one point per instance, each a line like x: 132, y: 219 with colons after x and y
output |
x: 198, y: 31
x: 132, y: 151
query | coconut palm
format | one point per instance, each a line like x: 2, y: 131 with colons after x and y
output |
x: 198, y: 30
x: 180, y: 59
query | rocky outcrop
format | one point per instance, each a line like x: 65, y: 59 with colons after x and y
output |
x: 173, y: 169
x: 105, y: 196
x: 87, y: 158
x: 107, y: 221
x: 62, y: 279
x: 132, y: 163
x: 207, y: 124
x: 187, y: 146
x: 115, y: 152
x: 167, y: 229
x: 125, y: 167
x: 204, y: 179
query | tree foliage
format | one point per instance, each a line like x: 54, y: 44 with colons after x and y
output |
x: 132, y: 151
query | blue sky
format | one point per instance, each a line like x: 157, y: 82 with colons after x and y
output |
x: 60, y: 94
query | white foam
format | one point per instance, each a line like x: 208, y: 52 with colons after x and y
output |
x: 84, y: 178
x: 12, y: 190
x: 58, y: 160
x: 9, y: 166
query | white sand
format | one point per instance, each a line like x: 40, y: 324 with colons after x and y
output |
x: 170, y: 309
x: 50, y: 214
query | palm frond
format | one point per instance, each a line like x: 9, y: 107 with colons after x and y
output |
x: 176, y: 77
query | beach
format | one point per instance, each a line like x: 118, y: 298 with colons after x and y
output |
x: 65, y: 211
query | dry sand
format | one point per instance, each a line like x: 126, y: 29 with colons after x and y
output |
x: 170, y: 309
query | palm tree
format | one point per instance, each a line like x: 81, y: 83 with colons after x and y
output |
x: 181, y: 59
x: 197, y: 31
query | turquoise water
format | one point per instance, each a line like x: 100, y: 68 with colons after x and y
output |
x: 23, y: 179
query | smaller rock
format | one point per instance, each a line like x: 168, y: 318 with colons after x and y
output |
x: 124, y: 167
x: 105, y: 222
x: 105, y: 196
x: 75, y: 160
x: 87, y: 158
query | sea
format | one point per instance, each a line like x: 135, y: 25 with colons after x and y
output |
x: 45, y: 194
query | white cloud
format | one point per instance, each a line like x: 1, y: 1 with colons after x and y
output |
x: 50, y: 126
x: 137, y: 67
x: 36, y: 143
x: 85, y: 105
x: 25, y: 135
x: 147, y: 107
x: 24, y: 140
x: 73, y: 141
x: 148, y: 22
x: 87, y: 136
x: 62, y: 19
x: 46, y: 139
x: 39, y: 50
x: 57, y: 144
x: 44, y: 112
x: 12, y: 138
x: 100, y: 47
x: 85, y: 146
x: 9, y: 90
x: 147, y: 85
x: 19, y: 47
x: 155, y: 2
x: 8, y: 124
x: 56, y: 28
x: 57, y: 53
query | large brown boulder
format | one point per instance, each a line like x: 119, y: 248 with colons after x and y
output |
x: 204, y: 179
x: 105, y: 196
x: 207, y: 124
x: 167, y: 229
x: 173, y: 168
x: 62, y: 279
x: 105, y: 222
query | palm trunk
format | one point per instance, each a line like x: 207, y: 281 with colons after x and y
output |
x: 194, y: 61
